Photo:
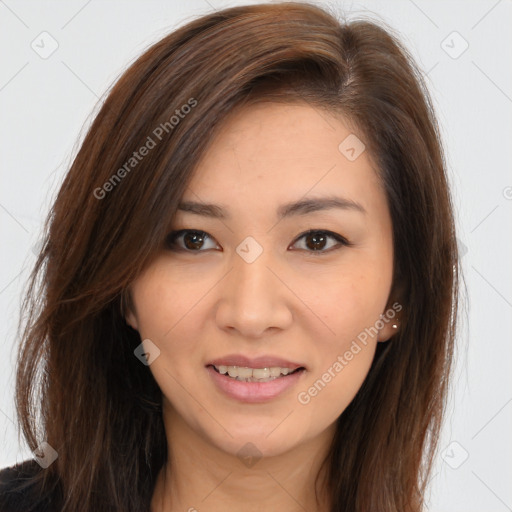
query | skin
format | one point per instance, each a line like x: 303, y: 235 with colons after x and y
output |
x: 291, y: 302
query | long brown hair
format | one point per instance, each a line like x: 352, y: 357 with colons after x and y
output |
x: 79, y: 386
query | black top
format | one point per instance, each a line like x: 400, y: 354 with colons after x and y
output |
x: 27, y: 499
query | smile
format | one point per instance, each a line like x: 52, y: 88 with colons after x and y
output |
x: 243, y: 373
x: 254, y: 385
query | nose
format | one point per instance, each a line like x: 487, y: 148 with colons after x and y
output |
x: 253, y: 300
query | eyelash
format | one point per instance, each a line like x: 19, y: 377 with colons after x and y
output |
x: 170, y: 241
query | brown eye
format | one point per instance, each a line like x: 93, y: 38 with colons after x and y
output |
x: 188, y: 240
x: 318, y: 240
x: 314, y: 241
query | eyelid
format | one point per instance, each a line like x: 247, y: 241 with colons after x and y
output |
x: 342, y: 241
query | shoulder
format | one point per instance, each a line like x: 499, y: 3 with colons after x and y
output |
x: 19, y: 491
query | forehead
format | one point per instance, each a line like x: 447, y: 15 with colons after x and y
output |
x: 273, y: 152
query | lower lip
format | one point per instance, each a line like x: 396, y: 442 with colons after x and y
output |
x: 254, y: 392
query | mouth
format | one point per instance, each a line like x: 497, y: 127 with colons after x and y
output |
x: 247, y: 374
x: 254, y: 385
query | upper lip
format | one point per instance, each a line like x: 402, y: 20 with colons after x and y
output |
x: 265, y: 361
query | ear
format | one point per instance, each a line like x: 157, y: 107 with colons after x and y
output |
x: 131, y: 320
x: 392, y: 316
x: 391, y: 327
x: 127, y: 310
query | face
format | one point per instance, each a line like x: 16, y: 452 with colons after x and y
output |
x: 248, y: 280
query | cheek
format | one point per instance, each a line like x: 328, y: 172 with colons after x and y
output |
x: 350, y: 308
x: 167, y: 315
x: 350, y: 304
x: 164, y: 300
x: 162, y: 318
x: 328, y: 393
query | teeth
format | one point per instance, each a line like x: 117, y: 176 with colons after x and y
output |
x: 253, y: 374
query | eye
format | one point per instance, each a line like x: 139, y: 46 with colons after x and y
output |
x: 316, y: 241
x: 191, y: 240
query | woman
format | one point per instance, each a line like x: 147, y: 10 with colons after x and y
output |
x: 248, y: 286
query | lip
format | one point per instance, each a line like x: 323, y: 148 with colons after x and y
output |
x: 265, y: 361
x: 254, y: 392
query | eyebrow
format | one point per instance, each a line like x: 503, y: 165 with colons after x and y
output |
x: 301, y: 207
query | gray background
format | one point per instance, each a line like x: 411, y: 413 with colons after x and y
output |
x: 47, y: 102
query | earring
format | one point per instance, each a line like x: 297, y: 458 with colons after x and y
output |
x: 395, y: 326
